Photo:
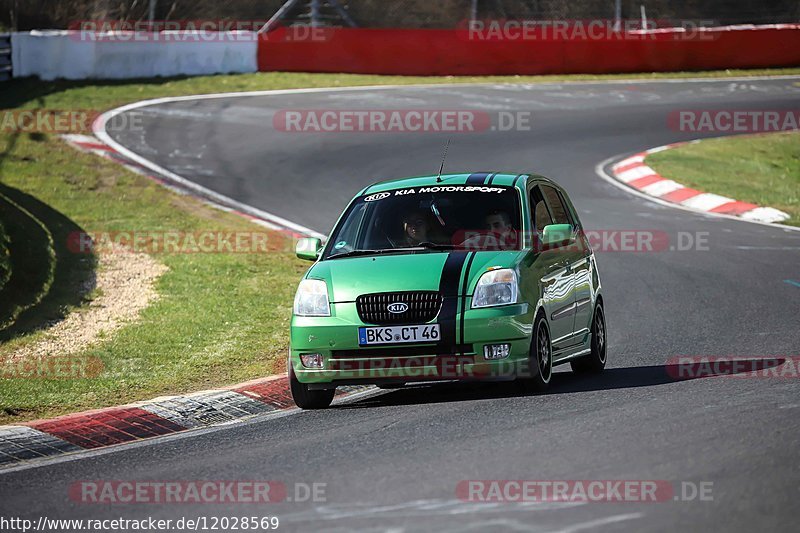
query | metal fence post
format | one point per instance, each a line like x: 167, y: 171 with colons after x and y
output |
x: 315, y: 13
x: 6, y: 67
x: 276, y: 18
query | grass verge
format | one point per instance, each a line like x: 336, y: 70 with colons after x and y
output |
x: 222, y: 317
x: 761, y: 169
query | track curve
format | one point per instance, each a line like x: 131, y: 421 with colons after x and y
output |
x: 395, y: 460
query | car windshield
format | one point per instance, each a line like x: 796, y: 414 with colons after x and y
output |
x: 430, y: 218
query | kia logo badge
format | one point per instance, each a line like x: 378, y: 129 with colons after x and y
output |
x: 376, y: 197
x: 397, y: 308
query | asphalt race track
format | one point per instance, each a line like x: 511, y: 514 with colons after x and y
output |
x: 392, y: 461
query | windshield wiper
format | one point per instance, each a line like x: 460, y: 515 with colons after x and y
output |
x: 418, y: 248
x: 356, y: 253
x: 432, y: 246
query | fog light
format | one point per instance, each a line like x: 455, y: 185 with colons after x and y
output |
x: 496, y: 351
x: 311, y: 360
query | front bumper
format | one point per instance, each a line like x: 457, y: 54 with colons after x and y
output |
x: 345, y: 362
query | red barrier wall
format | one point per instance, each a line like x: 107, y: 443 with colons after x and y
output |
x: 453, y: 52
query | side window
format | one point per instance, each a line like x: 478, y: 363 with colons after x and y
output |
x: 541, y: 216
x: 557, y: 207
x: 573, y: 215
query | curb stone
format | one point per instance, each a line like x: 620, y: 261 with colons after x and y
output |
x: 634, y: 172
x: 101, y: 428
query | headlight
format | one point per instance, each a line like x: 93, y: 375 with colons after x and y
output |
x: 312, y: 299
x: 496, y: 287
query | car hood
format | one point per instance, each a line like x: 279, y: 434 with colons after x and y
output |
x: 348, y: 278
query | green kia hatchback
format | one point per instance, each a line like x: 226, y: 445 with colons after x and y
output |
x: 485, y: 276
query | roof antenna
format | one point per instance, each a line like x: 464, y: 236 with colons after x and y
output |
x: 444, y: 158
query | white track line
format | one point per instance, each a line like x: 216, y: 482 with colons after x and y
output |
x: 100, y: 132
x: 594, y: 524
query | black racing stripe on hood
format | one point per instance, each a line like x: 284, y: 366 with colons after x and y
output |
x: 464, y: 296
x: 448, y: 288
x: 477, y: 179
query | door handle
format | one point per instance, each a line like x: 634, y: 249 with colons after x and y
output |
x: 554, y: 268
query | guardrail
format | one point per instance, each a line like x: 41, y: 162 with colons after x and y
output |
x: 75, y: 55
x: 6, y: 69
x: 476, y: 51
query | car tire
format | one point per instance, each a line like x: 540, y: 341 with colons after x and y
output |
x: 540, y: 361
x: 305, y: 398
x: 595, y: 362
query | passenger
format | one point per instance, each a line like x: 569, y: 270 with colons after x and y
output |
x: 499, y: 224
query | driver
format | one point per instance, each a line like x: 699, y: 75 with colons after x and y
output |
x: 415, y: 228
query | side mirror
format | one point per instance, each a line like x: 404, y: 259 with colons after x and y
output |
x: 308, y: 249
x: 557, y: 235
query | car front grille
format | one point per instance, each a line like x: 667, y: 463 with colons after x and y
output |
x: 423, y: 306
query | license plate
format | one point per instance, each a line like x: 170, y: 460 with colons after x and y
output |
x: 398, y: 334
